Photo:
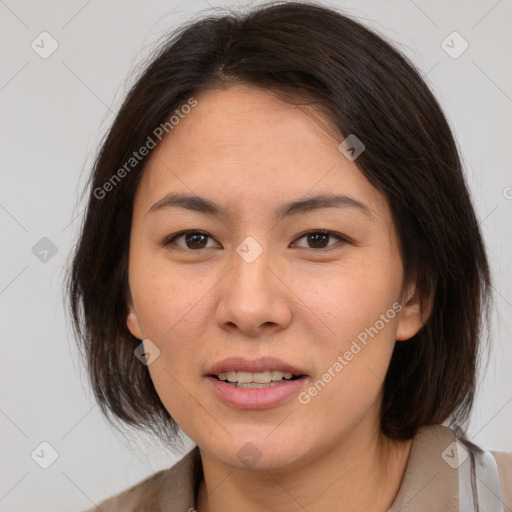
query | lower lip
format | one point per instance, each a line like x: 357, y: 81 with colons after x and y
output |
x: 256, y: 398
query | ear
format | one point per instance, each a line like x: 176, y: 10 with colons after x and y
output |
x: 132, y: 320
x: 416, y: 309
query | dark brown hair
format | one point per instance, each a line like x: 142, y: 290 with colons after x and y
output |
x: 364, y: 87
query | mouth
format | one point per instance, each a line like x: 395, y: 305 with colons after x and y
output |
x: 255, y: 384
x: 255, y: 380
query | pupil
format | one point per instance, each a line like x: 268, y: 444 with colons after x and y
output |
x: 195, y: 239
x: 313, y: 238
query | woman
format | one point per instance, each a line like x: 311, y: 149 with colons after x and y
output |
x: 281, y: 258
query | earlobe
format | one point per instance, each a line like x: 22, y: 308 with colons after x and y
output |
x: 132, y: 322
x: 414, y: 314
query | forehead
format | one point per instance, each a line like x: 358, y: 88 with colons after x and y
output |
x: 243, y: 144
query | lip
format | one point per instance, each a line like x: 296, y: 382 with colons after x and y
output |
x: 261, y: 364
x: 256, y: 398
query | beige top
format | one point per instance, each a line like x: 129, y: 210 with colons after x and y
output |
x: 430, y: 482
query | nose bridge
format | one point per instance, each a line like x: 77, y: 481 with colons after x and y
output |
x: 252, y: 296
x: 250, y: 250
x: 251, y: 272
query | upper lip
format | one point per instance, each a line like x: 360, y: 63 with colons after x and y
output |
x: 257, y: 365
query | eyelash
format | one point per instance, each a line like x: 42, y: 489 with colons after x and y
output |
x: 170, y: 239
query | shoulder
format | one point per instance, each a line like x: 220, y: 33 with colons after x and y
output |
x: 504, y: 463
x: 446, y: 470
x: 170, y: 486
x: 128, y: 500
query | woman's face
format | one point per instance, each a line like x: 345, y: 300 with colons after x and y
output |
x: 251, y: 285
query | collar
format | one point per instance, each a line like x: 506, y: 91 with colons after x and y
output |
x: 429, y: 482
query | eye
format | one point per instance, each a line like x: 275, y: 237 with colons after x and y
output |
x: 194, y: 240
x: 197, y: 240
x: 318, y: 238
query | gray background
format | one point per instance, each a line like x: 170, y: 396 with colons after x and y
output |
x: 53, y: 112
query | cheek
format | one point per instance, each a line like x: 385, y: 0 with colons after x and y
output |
x: 352, y: 366
x: 349, y: 297
x: 173, y: 311
x: 359, y: 315
x: 168, y: 298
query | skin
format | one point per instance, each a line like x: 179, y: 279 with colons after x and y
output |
x: 248, y: 151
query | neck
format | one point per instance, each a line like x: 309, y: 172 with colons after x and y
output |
x: 363, y: 471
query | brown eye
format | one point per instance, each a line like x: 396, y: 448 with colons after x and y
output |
x: 194, y: 240
x: 197, y: 240
x: 320, y: 239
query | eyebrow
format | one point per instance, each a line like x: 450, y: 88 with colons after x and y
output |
x: 300, y: 206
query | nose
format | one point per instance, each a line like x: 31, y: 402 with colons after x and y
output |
x: 253, y: 298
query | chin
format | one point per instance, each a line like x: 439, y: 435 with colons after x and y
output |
x: 262, y: 451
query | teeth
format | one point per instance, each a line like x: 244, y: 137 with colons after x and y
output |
x: 256, y: 378
x: 277, y: 375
